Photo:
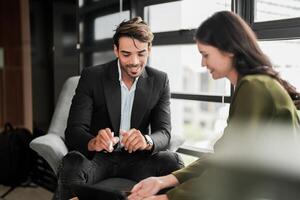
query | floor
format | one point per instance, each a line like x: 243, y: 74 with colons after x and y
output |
x: 26, y: 193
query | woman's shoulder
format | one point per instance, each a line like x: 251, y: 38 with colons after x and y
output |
x: 260, y: 87
x: 259, y: 81
x: 257, y: 78
x: 265, y: 88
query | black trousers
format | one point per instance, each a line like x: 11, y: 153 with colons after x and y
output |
x: 77, y: 169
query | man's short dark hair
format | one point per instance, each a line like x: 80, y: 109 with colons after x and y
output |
x: 135, y: 28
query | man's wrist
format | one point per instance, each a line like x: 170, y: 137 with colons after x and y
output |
x: 149, y: 142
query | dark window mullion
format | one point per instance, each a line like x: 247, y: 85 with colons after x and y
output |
x: 136, y: 8
x: 161, y: 38
x: 154, y: 2
x: 278, y: 29
x: 98, y: 46
x: 103, y: 7
x: 197, y: 97
x: 184, y: 36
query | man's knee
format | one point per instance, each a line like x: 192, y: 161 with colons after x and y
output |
x: 73, y: 159
x: 169, y: 161
x: 73, y: 164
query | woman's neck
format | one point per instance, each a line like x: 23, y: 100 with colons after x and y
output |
x: 233, y: 76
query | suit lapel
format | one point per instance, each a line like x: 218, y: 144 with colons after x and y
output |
x: 113, y: 95
x: 141, y: 99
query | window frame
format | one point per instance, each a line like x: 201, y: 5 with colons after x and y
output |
x: 268, y: 30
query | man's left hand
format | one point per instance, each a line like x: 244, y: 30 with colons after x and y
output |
x: 133, y: 140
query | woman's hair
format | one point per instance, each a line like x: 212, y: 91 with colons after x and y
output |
x: 228, y: 32
x: 135, y: 28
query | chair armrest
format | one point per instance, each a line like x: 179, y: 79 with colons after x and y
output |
x: 51, y: 147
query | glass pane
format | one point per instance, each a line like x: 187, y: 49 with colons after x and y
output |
x: 286, y: 63
x: 183, y: 65
x: 202, y: 123
x: 81, y: 32
x: 185, y: 14
x: 103, y: 57
x: 80, y: 3
x: 268, y: 10
x: 105, y: 25
x: 187, y: 159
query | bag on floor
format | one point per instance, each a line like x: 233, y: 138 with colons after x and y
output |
x: 14, y: 155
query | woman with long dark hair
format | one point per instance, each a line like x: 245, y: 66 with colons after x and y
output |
x: 261, y: 99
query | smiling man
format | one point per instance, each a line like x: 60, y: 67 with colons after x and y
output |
x: 119, y: 122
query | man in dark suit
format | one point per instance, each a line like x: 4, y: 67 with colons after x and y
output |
x: 119, y: 122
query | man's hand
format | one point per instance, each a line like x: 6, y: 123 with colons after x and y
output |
x: 133, y: 140
x: 103, y: 141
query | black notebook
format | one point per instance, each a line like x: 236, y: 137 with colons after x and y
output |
x: 89, y: 192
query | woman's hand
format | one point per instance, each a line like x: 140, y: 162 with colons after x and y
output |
x: 146, y: 188
x: 156, y: 197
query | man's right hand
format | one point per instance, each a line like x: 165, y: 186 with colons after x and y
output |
x: 103, y: 141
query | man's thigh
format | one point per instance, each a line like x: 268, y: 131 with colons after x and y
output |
x: 159, y: 164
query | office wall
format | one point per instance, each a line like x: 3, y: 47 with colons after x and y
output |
x: 15, y: 76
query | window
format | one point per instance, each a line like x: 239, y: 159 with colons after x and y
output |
x: 186, y: 14
x: 285, y: 58
x: 186, y: 75
x: 201, y: 121
x: 105, y: 25
x: 268, y: 10
x: 200, y: 127
x: 80, y: 3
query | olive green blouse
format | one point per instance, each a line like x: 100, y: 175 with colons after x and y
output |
x: 257, y: 100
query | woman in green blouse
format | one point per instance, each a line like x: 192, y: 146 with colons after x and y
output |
x: 261, y: 99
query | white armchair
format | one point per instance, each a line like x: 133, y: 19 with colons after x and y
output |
x: 52, y: 146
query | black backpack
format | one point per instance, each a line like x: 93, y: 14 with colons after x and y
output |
x: 14, y: 155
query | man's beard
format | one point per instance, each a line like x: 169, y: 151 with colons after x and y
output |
x: 133, y: 66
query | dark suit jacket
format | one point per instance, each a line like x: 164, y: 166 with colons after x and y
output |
x: 97, y: 105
